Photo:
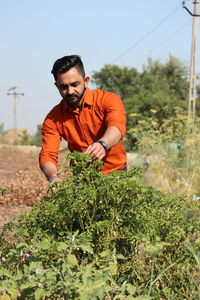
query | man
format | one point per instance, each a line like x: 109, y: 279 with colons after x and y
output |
x: 93, y: 122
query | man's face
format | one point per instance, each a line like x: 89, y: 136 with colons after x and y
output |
x: 71, y: 86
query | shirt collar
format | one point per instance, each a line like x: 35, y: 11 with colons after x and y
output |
x: 88, y: 97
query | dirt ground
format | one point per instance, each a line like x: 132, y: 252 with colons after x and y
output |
x: 22, y: 179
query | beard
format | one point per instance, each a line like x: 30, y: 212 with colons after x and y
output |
x: 74, y: 99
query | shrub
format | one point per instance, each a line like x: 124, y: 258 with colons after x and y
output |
x: 172, y: 152
x: 102, y: 236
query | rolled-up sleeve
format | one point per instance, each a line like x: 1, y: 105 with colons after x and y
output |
x: 50, y: 141
x: 115, y: 113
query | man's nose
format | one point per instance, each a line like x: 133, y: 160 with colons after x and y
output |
x: 70, y: 90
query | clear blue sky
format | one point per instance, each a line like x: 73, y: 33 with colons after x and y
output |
x: 33, y: 34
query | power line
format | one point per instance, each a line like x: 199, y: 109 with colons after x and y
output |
x: 147, y: 34
x: 165, y: 40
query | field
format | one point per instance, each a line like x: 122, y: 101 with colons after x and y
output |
x: 22, y: 180
x: 78, y: 243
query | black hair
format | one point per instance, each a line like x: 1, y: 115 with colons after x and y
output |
x: 65, y: 63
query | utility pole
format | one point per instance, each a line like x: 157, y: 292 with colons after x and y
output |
x: 13, y: 92
x: 192, y: 86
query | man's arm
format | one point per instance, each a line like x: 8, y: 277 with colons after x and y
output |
x: 50, y: 171
x: 111, y: 136
x: 48, y: 158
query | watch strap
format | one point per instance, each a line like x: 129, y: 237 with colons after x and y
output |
x: 104, y: 144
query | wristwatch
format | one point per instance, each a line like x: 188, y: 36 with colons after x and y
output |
x: 104, y: 144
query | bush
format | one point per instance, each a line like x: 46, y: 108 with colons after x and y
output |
x: 102, y: 236
x: 172, y: 152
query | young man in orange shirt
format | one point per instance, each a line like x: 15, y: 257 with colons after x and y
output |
x: 91, y: 121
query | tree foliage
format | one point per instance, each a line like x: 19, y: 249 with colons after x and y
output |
x: 37, y: 137
x: 2, y: 131
x: 122, y: 81
x: 24, y: 138
x: 159, y: 86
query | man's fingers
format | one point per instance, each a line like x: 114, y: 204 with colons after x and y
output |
x: 56, y: 179
x: 96, y: 154
x: 96, y: 151
x: 92, y: 148
x: 53, y: 188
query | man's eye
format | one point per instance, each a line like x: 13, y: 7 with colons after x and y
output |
x: 63, y: 87
x: 75, y: 84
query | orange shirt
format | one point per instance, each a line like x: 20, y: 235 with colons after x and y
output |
x: 100, y: 110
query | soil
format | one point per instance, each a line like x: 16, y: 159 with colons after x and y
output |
x: 22, y: 180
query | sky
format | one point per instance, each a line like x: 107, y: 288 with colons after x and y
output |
x: 33, y: 34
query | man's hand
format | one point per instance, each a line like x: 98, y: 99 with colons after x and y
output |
x: 111, y: 137
x: 54, y: 188
x: 96, y: 151
x: 55, y: 179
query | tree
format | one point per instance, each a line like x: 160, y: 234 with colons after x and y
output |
x: 122, y: 81
x: 24, y: 138
x: 37, y: 137
x: 2, y: 131
x: 160, y: 86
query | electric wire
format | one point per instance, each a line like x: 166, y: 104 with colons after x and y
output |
x: 163, y: 41
x: 174, y: 11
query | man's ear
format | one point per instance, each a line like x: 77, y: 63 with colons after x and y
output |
x: 86, y: 80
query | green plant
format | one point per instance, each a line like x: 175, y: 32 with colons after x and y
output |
x: 103, y: 236
x: 2, y: 131
x: 171, y: 151
x: 37, y: 137
x: 2, y: 191
x: 24, y: 138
